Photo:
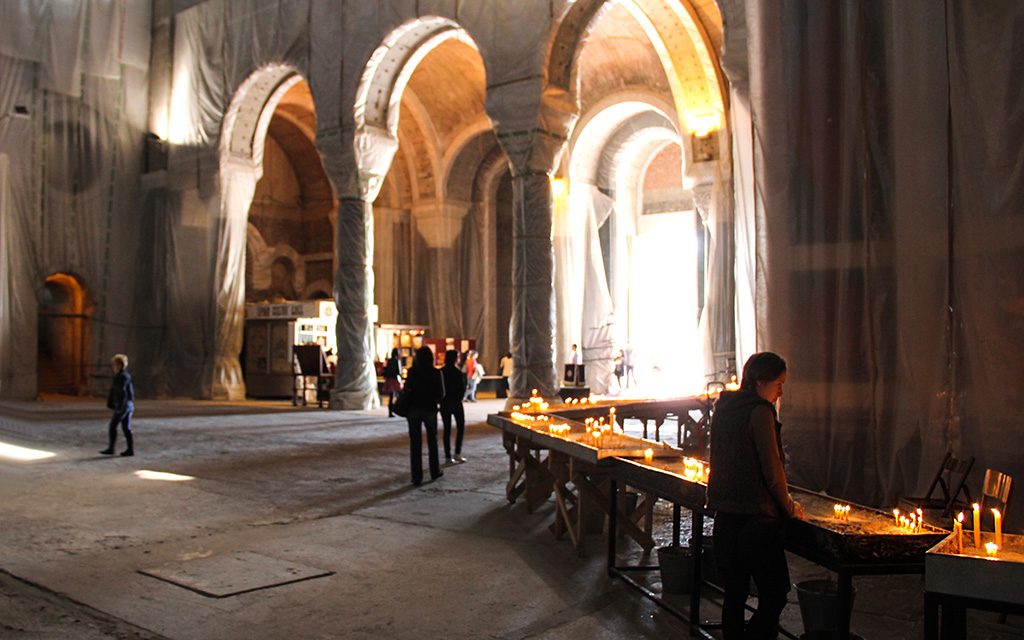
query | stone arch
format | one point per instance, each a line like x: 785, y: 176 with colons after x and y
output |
x: 379, y: 95
x: 243, y: 137
x: 64, y: 335
x: 682, y: 36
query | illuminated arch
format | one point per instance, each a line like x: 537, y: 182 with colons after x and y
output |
x: 679, y: 34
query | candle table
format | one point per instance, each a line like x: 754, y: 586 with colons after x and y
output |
x: 955, y: 582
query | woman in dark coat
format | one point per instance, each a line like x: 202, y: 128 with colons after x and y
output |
x: 451, y: 405
x: 750, y: 496
x: 392, y: 379
x: 425, y: 389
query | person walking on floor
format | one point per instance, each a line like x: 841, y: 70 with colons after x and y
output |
x: 468, y: 367
x: 474, y: 373
x: 451, y: 406
x: 425, y: 389
x: 392, y: 379
x: 505, y: 365
x: 749, y: 494
x: 121, y: 400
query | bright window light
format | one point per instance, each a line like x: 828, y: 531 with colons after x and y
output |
x: 14, y: 452
x: 145, y: 474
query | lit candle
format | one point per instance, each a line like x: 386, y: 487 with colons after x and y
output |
x: 648, y: 455
x: 999, y: 527
x: 977, y: 525
x: 835, y: 510
x: 846, y: 513
x: 958, y: 532
x: 896, y: 516
x: 991, y: 549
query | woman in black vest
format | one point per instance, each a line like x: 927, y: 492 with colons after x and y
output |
x: 425, y: 389
x: 749, y: 494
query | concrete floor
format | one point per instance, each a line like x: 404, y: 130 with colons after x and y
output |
x: 327, y: 490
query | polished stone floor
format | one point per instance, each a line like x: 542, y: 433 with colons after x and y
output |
x: 323, y: 491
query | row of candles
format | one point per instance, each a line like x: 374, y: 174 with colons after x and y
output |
x: 537, y: 404
x: 912, y: 521
x: 841, y: 511
x: 991, y: 548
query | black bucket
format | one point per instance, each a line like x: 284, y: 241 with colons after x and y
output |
x: 676, y: 569
x: 819, y: 608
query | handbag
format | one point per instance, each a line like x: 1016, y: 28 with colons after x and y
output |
x: 401, y: 405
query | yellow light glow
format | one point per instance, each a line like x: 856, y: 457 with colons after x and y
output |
x: 559, y: 187
x: 22, y: 454
x: 702, y: 124
x: 146, y: 474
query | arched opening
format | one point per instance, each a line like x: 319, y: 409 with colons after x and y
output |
x: 64, y: 336
x: 641, y: 169
x: 277, y: 237
x: 292, y: 209
x: 435, y: 211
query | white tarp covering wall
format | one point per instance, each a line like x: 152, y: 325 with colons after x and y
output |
x: 888, y: 194
x: 73, y: 84
x: 584, y: 305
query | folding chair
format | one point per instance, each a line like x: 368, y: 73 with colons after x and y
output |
x: 995, y: 492
x: 950, y: 481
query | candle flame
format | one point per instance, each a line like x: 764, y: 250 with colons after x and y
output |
x: 996, y: 513
x: 960, y: 517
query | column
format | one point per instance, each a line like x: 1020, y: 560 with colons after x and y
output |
x: 355, y: 381
x: 533, y: 289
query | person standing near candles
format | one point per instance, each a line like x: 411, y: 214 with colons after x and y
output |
x: 425, y: 388
x: 749, y: 493
x: 451, y: 405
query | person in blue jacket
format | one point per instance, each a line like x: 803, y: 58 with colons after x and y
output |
x: 121, y: 400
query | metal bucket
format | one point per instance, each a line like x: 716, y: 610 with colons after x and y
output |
x: 676, y: 569
x: 819, y: 608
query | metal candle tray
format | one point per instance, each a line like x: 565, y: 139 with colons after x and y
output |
x: 971, y: 574
x: 575, y: 444
x: 869, y: 537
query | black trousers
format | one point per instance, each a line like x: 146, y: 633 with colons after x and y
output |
x: 751, y: 547
x: 125, y: 420
x: 420, y: 419
x: 447, y: 413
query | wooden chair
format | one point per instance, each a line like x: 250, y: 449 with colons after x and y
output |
x: 950, y: 481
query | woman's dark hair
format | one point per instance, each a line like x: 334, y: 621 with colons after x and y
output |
x: 424, y: 357
x: 762, y: 367
x: 394, y: 352
x: 451, y: 356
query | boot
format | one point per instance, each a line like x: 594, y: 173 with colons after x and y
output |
x: 130, y: 451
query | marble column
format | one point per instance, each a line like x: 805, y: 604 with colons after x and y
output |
x: 533, y: 289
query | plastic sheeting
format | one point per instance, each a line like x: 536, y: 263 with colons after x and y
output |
x: 532, y: 337
x: 886, y: 231
x: 584, y: 304
x: 69, y: 187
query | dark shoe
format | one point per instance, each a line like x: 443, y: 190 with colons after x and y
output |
x: 438, y: 475
x: 417, y: 483
x: 127, y: 452
x: 107, y: 452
